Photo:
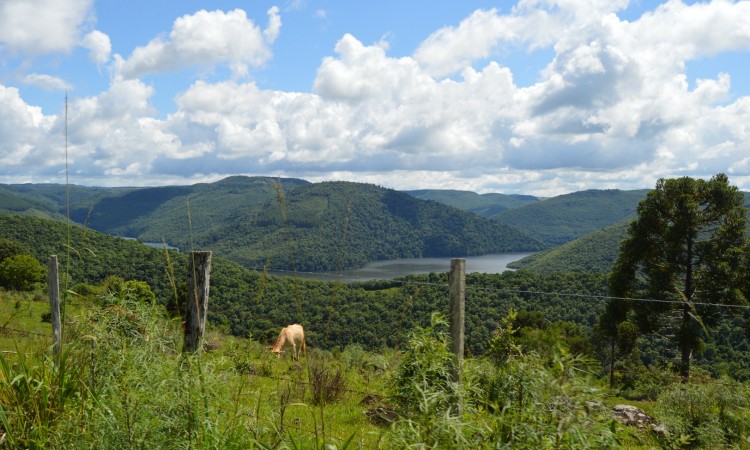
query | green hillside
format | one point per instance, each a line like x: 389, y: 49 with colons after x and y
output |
x: 372, y: 314
x: 485, y: 205
x: 151, y: 214
x: 561, y: 219
x: 51, y: 199
x: 594, y: 253
x: 337, y: 225
x: 295, y: 225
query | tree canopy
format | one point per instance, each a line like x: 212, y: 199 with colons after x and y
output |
x: 684, y: 252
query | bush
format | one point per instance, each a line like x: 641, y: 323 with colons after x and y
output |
x: 21, y: 272
x: 327, y: 381
x: 139, y: 290
x: 426, y: 369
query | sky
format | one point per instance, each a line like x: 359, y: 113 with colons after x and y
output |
x: 539, y: 97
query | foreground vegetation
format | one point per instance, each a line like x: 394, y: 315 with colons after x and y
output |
x: 121, y: 382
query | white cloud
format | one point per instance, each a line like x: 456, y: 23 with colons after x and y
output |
x: 48, y: 82
x: 274, y: 25
x: 24, y: 130
x: 41, y: 26
x: 207, y: 38
x: 614, y: 107
x: 99, y: 46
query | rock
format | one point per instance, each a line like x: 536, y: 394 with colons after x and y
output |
x: 635, y: 417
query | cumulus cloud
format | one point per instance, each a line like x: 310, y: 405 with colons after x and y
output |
x: 25, y: 131
x: 99, y: 46
x: 41, y: 26
x: 614, y: 106
x: 47, y: 82
x: 207, y: 38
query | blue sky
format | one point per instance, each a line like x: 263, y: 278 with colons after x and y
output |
x: 536, y: 97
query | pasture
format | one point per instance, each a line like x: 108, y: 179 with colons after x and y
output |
x: 122, y: 382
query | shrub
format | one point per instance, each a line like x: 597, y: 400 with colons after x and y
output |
x: 426, y: 370
x: 327, y: 381
x: 139, y: 290
x: 21, y: 272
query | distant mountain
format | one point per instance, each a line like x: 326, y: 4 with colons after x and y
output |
x: 561, y: 219
x: 485, y: 205
x: 286, y: 224
x: 50, y: 200
x: 337, y: 225
x: 176, y: 213
x: 593, y: 253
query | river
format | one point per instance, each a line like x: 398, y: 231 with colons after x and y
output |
x: 381, y: 270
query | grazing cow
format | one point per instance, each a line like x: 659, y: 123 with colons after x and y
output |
x: 292, y: 337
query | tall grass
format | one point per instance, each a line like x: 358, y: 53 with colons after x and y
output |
x: 121, y: 382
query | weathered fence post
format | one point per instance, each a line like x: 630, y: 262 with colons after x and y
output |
x: 457, y: 290
x: 199, y: 275
x: 53, y: 291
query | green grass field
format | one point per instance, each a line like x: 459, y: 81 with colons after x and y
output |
x: 122, y: 382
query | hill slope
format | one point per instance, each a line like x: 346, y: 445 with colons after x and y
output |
x: 337, y: 225
x: 171, y: 212
x: 594, y: 253
x: 49, y: 200
x: 561, y: 219
x: 485, y: 205
x: 287, y: 224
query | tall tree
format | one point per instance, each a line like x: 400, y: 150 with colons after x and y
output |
x: 684, y: 250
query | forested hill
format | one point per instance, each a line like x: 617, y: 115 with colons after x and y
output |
x: 485, y: 205
x: 48, y: 200
x: 171, y: 212
x: 561, y: 219
x: 372, y: 314
x: 593, y: 253
x: 336, y: 225
x: 285, y: 224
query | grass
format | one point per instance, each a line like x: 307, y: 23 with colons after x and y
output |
x: 135, y: 383
x: 122, y: 382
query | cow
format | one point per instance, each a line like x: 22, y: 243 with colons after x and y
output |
x: 292, y: 337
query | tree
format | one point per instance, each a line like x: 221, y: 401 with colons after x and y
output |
x: 10, y: 248
x: 140, y: 290
x: 684, y: 250
x: 20, y: 272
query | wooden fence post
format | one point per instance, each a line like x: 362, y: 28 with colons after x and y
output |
x: 53, y: 292
x: 457, y: 289
x: 199, y: 276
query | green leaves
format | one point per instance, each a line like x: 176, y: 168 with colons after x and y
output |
x: 686, y: 245
x: 21, y: 272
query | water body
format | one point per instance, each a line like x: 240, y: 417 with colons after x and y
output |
x: 384, y: 270
x: 150, y: 244
x: 160, y: 245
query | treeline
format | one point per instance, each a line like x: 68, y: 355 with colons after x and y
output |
x: 248, y: 303
x: 373, y: 314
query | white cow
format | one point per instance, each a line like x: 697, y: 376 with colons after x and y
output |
x: 292, y: 337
